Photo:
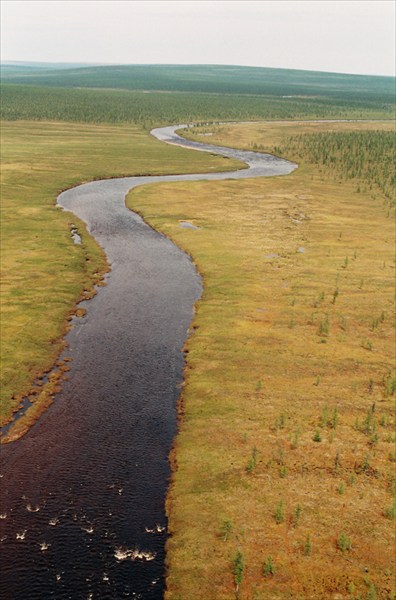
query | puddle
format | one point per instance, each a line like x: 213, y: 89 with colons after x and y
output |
x: 188, y: 225
x: 301, y: 249
x: 272, y: 255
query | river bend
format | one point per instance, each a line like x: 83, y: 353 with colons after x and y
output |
x: 82, y: 494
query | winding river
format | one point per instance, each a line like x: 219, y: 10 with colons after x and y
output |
x: 82, y: 494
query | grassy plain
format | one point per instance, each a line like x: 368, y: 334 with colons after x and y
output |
x: 43, y: 272
x: 285, y: 458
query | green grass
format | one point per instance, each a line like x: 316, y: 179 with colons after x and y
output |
x: 43, y: 272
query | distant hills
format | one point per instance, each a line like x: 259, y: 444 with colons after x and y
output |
x: 216, y: 79
x: 17, y: 67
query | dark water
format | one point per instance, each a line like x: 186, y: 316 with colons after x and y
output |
x: 82, y: 494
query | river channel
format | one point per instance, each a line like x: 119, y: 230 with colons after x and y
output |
x: 82, y: 493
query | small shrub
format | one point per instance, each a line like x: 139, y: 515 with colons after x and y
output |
x: 226, y: 529
x: 351, y: 587
x: 384, y: 421
x: 317, y: 437
x: 365, y: 464
x: 374, y: 439
x: 268, y: 568
x: 279, y: 514
x: 344, y: 543
x: 297, y: 515
x: 372, y: 592
x: 337, y: 461
x: 390, y: 386
x: 280, y: 458
x: 238, y: 567
x: 307, y: 546
x: 295, y: 439
x: 369, y: 424
x: 334, y: 419
x: 341, y: 488
x: 252, y: 462
x: 280, y: 422
x: 324, y: 327
x: 251, y: 465
x: 390, y: 512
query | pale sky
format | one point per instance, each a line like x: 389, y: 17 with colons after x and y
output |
x: 344, y: 36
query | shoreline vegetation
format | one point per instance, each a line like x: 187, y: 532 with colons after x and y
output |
x: 284, y: 462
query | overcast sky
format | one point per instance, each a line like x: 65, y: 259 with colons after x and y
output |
x: 337, y: 35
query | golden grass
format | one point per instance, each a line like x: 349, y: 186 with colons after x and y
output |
x: 286, y: 349
x: 43, y: 272
x: 267, y: 134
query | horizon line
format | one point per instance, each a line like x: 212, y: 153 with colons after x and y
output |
x: 83, y: 64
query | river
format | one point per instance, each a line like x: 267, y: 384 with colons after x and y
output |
x: 82, y: 493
